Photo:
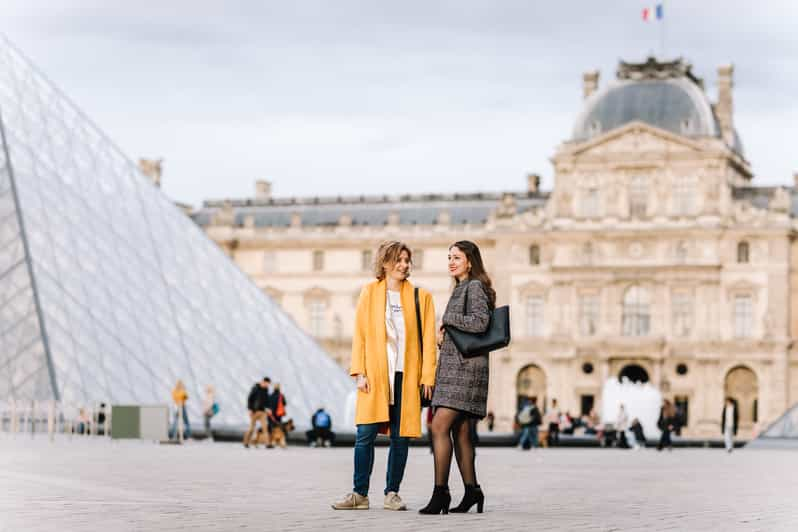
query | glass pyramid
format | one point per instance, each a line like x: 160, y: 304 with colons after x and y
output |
x: 782, y: 433
x: 109, y: 292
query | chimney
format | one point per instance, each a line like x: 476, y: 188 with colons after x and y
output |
x: 152, y: 169
x: 590, y: 82
x: 533, y: 183
x: 725, y: 106
x: 263, y: 189
x: 795, y: 179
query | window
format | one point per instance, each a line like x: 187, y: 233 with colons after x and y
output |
x: 636, y: 317
x: 534, y: 316
x: 682, y: 306
x: 683, y: 194
x: 317, y: 310
x: 534, y: 255
x: 418, y: 259
x: 269, y: 262
x: 681, y: 252
x: 318, y: 260
x: 366, y: 260
x: 682, y: 404
x: 586, y: 403
x: 638, y: 197
x: 743, y: 252
x: 588, y: 314
x: 743, y: 316
x: 590, y: 203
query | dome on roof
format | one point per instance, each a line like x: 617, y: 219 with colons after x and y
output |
x: 664, y: 94
x: 677, y: 105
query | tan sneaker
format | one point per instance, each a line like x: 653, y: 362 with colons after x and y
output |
x: 393, y: 502
x: 352, y: 501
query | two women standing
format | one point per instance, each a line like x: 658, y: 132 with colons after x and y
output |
x: 394, y: 362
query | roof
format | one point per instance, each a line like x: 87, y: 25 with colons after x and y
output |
x: 369, y: 210
x: 664, y: 94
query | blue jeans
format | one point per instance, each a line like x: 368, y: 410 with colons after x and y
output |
x: 186, y: 426
x: 529, y: 434
x: 397, y: 453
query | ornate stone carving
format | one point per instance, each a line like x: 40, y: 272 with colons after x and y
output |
x: 152, y: 168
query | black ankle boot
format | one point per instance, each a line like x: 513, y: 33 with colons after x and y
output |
x: 439, y: 503
x: 473, y: 495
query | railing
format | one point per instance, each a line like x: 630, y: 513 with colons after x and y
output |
x: 21, y: 417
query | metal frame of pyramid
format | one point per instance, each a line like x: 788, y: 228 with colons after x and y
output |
x: 109, y: 292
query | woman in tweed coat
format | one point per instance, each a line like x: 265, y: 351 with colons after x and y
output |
x: 461, y: 384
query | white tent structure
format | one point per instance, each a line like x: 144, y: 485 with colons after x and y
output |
x: 110, y: 292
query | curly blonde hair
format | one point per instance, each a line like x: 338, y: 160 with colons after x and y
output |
x: 389, y: 253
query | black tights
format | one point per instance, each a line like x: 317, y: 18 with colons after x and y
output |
x: 447, y: 425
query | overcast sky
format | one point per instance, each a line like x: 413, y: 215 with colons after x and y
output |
x: 352, y: 97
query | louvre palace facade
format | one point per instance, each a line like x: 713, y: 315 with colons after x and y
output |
x: 654, y: 256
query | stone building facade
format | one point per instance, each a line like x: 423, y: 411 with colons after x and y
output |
x: 653, y: 256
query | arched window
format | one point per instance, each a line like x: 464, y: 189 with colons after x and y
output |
x: 636, y: 313
x: 743, y: 252
x: 741, y: 384
x: 534, y: 255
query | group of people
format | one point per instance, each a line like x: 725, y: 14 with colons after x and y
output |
x: 209, y: 409
x: 625, y: 432
x: 402, y: 358
x: 266, y: 409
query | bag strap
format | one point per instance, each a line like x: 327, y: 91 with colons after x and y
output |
x: 418, y: 325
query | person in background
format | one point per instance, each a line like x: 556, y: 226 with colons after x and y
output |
x: 209, y: 409
x: 528, y: 419
x: 321, y: 433
x: 667, y: 423
x: 179, y: 397
x: 640, y: 438
x: 553, y: 420
x: 258, y: 406
x: 728, y: 423
x: 621, y: 426
x: 277, y: 404
x: 83, y: 422
x: 490, y: 420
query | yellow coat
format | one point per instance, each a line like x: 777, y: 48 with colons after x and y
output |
x: 370, y: 356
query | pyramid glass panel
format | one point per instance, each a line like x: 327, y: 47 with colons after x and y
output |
x: 108, y: 292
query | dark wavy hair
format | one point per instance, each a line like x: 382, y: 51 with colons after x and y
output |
x: 477, y: 270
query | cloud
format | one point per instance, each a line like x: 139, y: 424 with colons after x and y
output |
x: 358, y: 96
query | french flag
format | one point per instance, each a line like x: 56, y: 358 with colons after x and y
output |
x: 652, y: 13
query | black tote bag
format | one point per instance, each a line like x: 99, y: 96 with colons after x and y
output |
x: 496, y: 336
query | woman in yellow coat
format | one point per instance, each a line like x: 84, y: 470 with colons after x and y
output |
x: 391, y: 371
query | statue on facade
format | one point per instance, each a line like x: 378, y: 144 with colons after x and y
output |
x: 152, y: 168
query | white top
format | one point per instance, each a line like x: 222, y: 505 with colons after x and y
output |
x: 394, y: 306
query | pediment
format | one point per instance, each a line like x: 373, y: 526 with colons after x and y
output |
x: 637, y: 137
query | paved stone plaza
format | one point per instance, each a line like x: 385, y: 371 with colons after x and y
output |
x: 111, y: 486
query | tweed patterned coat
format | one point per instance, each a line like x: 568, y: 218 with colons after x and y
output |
x: 462, y: 383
